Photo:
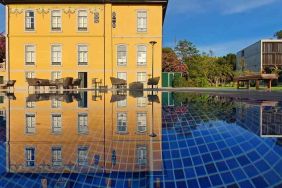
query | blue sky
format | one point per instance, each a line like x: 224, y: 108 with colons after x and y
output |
x: 220, y: 25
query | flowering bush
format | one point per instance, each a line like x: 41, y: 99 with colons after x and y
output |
x: 2, y: 46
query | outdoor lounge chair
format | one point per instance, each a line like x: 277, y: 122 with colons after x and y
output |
x: 8, y: 84
x: 136, y: 86
x: 76, y: 83
x: 154, y: 81
x: 118, y: 83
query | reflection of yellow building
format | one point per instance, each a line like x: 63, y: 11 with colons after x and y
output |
x: 88, y: 40
x: 84, y: 136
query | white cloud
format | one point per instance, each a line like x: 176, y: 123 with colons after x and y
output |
x: 222, y: 6
x: 220, y: 49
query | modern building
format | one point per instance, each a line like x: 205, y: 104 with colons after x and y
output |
x: 88, y: 39
x: 261, y: 56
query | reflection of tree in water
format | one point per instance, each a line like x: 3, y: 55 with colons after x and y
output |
x: 193, y: 110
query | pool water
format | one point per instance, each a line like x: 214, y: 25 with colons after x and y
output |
x: 139, y: 139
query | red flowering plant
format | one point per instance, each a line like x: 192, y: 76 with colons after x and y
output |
x: 2, y: 47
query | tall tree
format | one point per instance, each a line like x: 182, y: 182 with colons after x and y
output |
x: 2, y: 47
x: 185, y: 50
x: 278, y: 34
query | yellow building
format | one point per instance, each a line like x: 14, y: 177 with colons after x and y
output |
x: 91, y: 39
x: 75, y: 133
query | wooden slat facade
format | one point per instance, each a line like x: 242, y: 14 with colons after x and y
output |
x: 272, y: 54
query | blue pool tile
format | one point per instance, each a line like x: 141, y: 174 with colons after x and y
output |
x: 259, y: 182
x: 221, y: 166
x: 243, y: 160
x: 227, y: 177
x: 262, y: 166
x: 250, y: 171
x: 210, y: 168
x: 204, y: 182
x: 246, y: 184
x: 207, y: 158
x: 200, y: 170
x: 238, y: 174
x: 190, y: 173
x: 169, y: 184
x: 278, y: 167
x: 215, y: 180
x: 253, y: 156
x: 179, y: 174
x: 232, y: 163
x: 181, y: 184
x: 216, y: 155
x: 187, y: 162
x: 192, y: 183
x: 203, y: 148
x: 193, y: 150
x: 226, y: 153
x: 177, y: 163
x: 271, y: 177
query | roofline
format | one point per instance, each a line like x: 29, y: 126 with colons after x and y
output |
x: 164, y: 3
x: 261, y: 41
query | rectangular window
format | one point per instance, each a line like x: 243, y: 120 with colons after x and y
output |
x: 56, y: 54
x: 141, y: 55
x: 30, y: 74
x: 142, y: 77
x: 122, y: 75
x: 56, y: 123
x: 55, y: 103
x: 121, y: 122
x: 29, y: 20
x: 82, y: 20
x: 30, y: 156
x: 57, y: 156
x: 82, y: 54
x: 56, y: 20
x: 141, y: 102
x: 121, y: 55
x: 142, y: 21
x: 82, y: 155
x: 141, y: 154
x: 30, y: 123
x: 82, y: 123
x: 30, y: 55
x: 141, y: 122
x: 56, y: 75
x: 30, y: 104
x: 122, y: 104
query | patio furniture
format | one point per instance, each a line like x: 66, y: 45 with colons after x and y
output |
x: 76, y: 83
x: 136, y: 86
x: 116, y: 98
x: 118, y: 83
x: 154, y: 98
x: 8, y: 84
x: 154, y: 81
x: 136, y: 93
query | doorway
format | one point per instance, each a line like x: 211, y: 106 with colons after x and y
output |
x: 83, y: 77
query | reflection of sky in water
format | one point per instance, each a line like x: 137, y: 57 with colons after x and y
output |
x: 205, y: 141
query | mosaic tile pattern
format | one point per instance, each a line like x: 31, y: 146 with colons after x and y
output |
x: 201, y: 147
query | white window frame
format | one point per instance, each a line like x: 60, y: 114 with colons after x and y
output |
x: 55, y: 103
x: 122, y: 104
x: 58, y: 21
x: 142, y: 75
x: 56, y: 75
x: 82, y: 29
x: 57, y: 156
x: 29, y: 74
x: 82, y: 155
x: 141, y: 26
x: 122, y: 122
x: 141, y: 118
x: 26, y: 29
x: 85, y: 54
x: 28, y: 156
x: 30, y: 123
x: 30, y: 104
x: 56, y: 123
x: 122, y: 77
x: 122, y: 55
x: 143, y: 158
x: 58, y: 54
x: 82, y: 123
x: 139, y: 53
x: 32, y: 55
x: 142, y: 102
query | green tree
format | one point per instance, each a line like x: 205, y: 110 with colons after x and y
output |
x: 2, y: 47
x: 278, y: 34
x: 185, y: 50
